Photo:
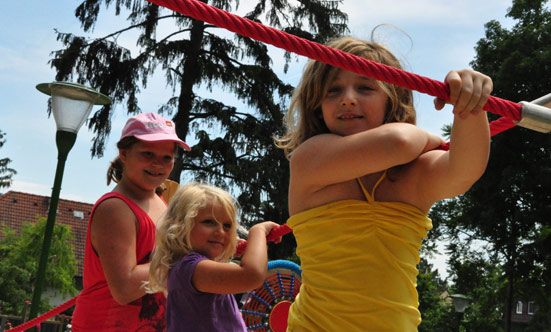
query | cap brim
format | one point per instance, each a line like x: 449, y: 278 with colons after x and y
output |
x: 181, y: 143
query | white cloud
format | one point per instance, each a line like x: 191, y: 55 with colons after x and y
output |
x: 32, y: 188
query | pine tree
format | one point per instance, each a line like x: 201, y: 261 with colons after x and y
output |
x: 235, y: 149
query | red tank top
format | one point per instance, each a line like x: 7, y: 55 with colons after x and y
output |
x: 96, y: 310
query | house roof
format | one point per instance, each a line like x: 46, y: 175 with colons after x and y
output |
x: 18, y: 207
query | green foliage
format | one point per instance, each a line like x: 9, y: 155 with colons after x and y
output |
x: 436, y: 310
x: 6, y: 173
x: 19, y: 256
x: 481, y: 278
x: 508, y: 209
x: 235, y: 148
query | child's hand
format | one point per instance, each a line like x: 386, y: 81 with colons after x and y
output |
x: 469, y: 91
x: 267, y: 227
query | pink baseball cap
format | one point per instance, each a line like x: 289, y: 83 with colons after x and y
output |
x: 151, y: 127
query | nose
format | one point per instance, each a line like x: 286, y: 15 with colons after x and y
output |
x: 160, y: 161
x: 220, y: 228
x: 157, y: 162
x: 348, y: 98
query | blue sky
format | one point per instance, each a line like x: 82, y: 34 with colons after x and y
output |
x: 441, y: 35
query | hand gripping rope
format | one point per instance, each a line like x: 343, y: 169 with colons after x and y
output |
x: 532, y: 115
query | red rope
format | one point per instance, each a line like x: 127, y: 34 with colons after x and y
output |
x: 198, y: 10
x: 326, y: 54
x: 274, y: 234
x: 35, y: 321
x: 201, y: 11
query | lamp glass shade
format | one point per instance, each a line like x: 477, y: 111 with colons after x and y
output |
x: 72, y: 103
x: 460, y: 302
x: 70, y: 114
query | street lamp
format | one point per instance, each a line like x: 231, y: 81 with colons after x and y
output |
x: 71, y: 105
x: 460, y: 303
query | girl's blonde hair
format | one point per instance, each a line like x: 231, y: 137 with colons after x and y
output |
x: 173, y: 242
x: 303, y: 119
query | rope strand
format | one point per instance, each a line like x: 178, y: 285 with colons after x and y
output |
x: 35, y: 321
x: 326, y: 54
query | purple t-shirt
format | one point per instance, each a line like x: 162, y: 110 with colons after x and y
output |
x: 188, y: 309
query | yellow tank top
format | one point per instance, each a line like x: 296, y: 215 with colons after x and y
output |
x: 359, y: 266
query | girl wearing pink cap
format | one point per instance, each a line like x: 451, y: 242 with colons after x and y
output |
x: 121, y: 232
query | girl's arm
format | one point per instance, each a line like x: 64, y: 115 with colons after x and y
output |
x: 223, y: 278
x: 328, y: 159
x: 113, y: 236
x: 451, y: 173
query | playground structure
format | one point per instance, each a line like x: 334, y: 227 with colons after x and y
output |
x: 265, y: 308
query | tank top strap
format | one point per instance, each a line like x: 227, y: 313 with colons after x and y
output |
x: 366, y: 194
x: 371, y: 197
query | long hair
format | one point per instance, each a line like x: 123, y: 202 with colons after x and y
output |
x: 173, y: 242
x: 303, y: 119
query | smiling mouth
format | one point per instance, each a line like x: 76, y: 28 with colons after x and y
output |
x: 153, y: 173
x: 349, y: 117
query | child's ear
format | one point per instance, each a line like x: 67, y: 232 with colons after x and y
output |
x: 122, y: 155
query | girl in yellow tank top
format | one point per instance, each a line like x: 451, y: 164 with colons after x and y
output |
x: 359, y: 227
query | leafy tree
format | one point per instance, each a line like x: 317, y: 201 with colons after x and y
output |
x: 235, y: 148
x: 19, y: 261
x: 479, y: 277
x: 436, y: 310
x: 6, y: 173
x: 509, y: 206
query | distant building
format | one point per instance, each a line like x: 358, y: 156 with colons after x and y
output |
x: 18, y: 207
x: 522, y: 314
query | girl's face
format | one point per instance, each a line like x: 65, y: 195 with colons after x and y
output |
x: 212, y: 231
x: 148, y: 164
x: 353, y: 103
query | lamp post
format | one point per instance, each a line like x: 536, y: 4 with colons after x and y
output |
x: 460, y: 303
x: 71, y: 105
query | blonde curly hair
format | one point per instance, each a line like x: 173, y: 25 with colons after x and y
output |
x: 172, y: 240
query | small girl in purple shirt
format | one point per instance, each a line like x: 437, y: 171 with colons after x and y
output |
x: 196, y: 238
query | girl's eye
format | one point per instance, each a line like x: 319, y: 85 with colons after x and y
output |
x: 169, y: 158
x: 333, y: 91
x: 208, y: 221
x: 147, y: 154
x: 227, y: 226
x: 366, y: 88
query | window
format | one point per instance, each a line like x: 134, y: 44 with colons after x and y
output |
x: 519, y: 308
x: 531, y: 308
x: 78, y: 214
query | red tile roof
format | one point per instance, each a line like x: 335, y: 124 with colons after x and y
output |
x: 18, y: 207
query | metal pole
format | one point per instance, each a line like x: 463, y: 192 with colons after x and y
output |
x: 64, y: 141
x: 542, y: 100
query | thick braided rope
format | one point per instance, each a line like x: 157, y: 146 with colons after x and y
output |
x: 334, y: 57
x: 35, y: 321
x: 509, y: 110
x: 274, y: 234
